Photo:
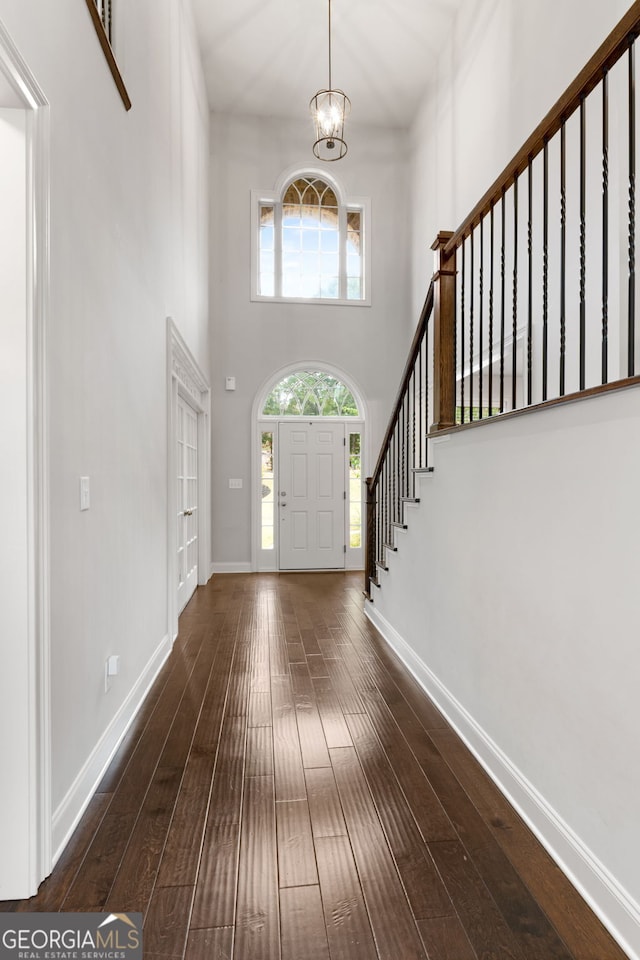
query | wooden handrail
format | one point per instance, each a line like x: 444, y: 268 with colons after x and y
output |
x: 108, y: 53
x: 588, y: 78
x: 406, y: 377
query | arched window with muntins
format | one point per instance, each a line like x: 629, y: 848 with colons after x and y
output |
x: 310, y: 393
x: 310, y: 246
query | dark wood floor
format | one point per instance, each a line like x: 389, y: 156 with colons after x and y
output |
x: 288, y: 791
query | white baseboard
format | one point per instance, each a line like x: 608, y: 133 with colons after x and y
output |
x: 617, y: 910
x: 233, y: 567
x: 68, y: 813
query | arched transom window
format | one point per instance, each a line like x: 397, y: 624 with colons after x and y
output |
x: 310, y: 393
x: 310, y: 246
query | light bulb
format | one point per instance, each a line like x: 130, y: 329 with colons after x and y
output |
x: 329, y: 119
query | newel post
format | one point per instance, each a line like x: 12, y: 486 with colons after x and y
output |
x: 444, y: 334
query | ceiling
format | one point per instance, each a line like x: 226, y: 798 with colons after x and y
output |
x: 269, y: 57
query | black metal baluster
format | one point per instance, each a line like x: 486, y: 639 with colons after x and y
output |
x: 481, y: 321
x: 462, y: 325
x: 491, y: 253
x: 391, y: 507
x: 387, y: 502
x: 402, y: 455
x: 420, y: 426
x: 514, y: 326
x: 563, y: 252
x: 378, y: 514
x: 396, y: 471
x: 427, y: 363
x: 405, y: 445
x: 414, y: 414
x: 545, y: 272
x: 530, y: 283
x: 399, y: 452
x: 502, y: 298
x: 383, y: 508
x: 583, y: 241
x: 375, y: 547
x: 632, y: 213
x: 605, y: 227
x: 374, y: 544
x: 390, y: 516
x: 471, y: 318
x: 387, y: 493
x: 407, y: 483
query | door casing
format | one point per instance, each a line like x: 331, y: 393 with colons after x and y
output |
x: 185, y: 378
x: 190, y: 522
x: 29, y: 858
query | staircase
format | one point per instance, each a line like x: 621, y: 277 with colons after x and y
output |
x: 510, y: 324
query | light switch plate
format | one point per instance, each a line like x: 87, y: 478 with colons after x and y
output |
x: 235, y: 484
x: 85, y: 501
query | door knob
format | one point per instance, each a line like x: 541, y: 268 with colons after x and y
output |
x: 283, y: 493
x: 283, y: 503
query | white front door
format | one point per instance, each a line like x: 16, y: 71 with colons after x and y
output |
x: 311, y: 495
x: 187, y: 501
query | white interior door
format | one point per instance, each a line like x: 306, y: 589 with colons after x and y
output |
x: 311, y: 495
x: 187, y: 500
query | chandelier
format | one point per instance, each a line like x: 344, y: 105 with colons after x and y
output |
x: 328, y: 109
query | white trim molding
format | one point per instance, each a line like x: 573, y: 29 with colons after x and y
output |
x: 617, y: 910
x: 231, y: 567
x: 185, y: 377
x: 36, y: 718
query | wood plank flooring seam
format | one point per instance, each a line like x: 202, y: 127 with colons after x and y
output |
x: 401, y: 848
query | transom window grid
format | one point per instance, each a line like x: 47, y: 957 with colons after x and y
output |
x: 310, y: 393
x: 310, y: 247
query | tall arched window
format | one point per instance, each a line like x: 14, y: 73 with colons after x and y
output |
x: 309, y: 244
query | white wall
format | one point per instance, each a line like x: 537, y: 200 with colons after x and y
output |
x: 513, y: 596
x: 128, y: 247
x: 253, y: 340
x: 515, y: 590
